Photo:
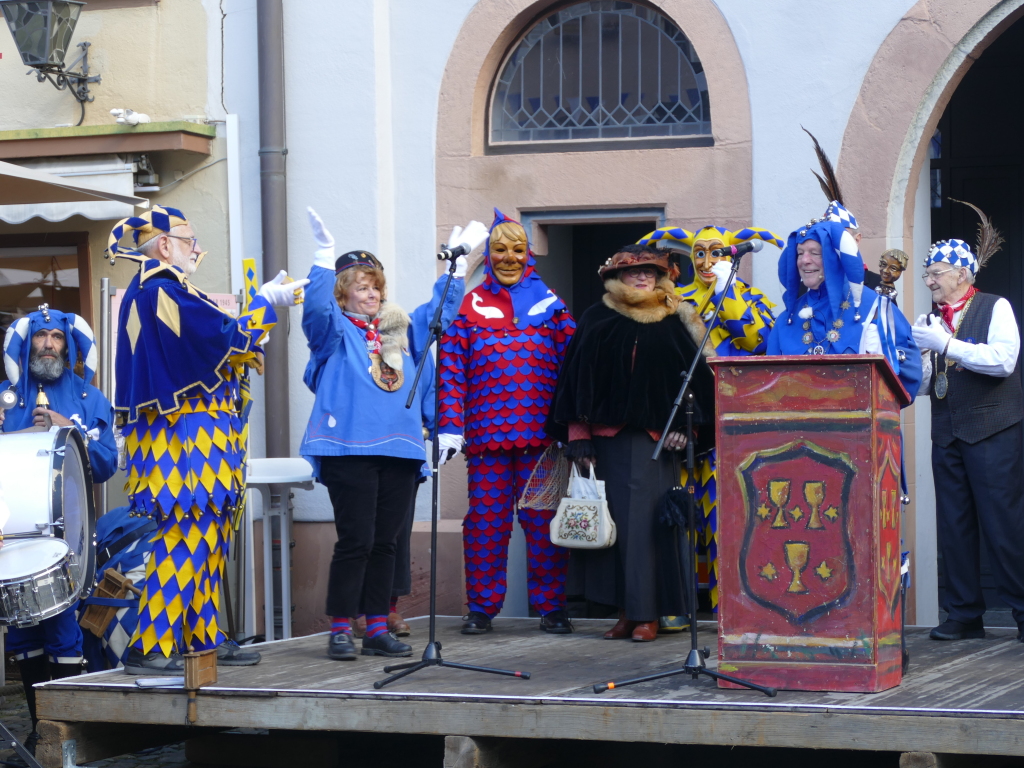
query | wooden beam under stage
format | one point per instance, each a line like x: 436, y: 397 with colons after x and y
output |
x: 959, y: 698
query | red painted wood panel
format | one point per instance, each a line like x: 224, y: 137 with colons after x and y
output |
x: 809, y: 521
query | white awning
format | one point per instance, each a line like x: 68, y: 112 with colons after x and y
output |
x: 98, y: 187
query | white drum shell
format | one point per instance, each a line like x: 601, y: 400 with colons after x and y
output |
x: 47, y: 484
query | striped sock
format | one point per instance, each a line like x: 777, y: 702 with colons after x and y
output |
x: 394, y: 605
x: 340, y: 624
x: 376, y: 625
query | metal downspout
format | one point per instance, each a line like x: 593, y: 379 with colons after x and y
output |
x: 273, y: 209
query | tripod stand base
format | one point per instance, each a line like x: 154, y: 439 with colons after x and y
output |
x: 432, y: 658
x: 695, y: 667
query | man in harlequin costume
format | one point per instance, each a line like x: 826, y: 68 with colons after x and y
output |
x: 741, y: 327
x: 179, y: 368
x: 41, y: 350
x: 499, y: 365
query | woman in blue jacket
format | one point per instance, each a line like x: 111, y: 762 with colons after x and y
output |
x: 362, y: 441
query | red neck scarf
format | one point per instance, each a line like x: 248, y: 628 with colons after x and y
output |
x: 948, y: 310
x: 372, y: 335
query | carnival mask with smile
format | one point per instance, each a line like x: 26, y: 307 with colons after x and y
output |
x: 703, y: 261
x: 509, y: 253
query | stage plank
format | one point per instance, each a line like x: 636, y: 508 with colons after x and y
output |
x: 963, y: 697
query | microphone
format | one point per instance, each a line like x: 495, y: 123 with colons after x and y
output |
x: 738, y: 250
x: 447, y: 253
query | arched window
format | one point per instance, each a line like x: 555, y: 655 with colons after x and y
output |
x: 601, y: 69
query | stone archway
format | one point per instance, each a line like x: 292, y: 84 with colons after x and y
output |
x: 619, y: 178
x: 902, y: 97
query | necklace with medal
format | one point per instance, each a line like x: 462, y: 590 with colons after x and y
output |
x: 814, y: 346
x: 941, y: 378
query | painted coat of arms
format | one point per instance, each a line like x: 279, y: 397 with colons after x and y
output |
x: 796, y: 558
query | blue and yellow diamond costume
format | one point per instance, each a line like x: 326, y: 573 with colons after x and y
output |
x: 741, y: 327
x: 181, y: 391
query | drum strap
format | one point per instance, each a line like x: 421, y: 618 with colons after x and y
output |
x: 104, y: 555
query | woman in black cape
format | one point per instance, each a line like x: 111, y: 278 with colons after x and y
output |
x: 620, y: 376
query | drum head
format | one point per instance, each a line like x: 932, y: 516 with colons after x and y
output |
x: 21, y: 558
x: 74, y: 496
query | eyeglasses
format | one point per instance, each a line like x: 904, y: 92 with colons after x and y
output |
x: 935, y: 275
x: 641, y: 272
x: 193, y: 240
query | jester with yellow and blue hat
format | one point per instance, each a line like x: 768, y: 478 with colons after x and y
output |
x: 180, y: 373
x: 740, y: 327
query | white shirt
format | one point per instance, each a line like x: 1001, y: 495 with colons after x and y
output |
x: 997, y: 357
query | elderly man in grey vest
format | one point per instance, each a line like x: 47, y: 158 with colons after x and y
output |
x: 970, y: 367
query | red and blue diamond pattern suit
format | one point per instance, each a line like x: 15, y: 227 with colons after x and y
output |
x: 498, y: 376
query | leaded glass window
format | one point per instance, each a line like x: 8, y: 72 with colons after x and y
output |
x: 601, y: 70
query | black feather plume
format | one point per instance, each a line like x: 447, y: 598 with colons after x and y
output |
x: 829, y: 182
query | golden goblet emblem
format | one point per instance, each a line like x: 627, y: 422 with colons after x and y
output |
x: 814, y: 493
x: 797, y: 553
x: 778, y: 492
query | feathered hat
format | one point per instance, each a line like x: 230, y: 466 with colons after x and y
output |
x: 836, y: 210
x: 958, y: 253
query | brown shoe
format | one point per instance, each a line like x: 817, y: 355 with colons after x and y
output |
x: 358, y: 626
x: 622, y: 629
x: 397, y: 625
x: 645, y: 631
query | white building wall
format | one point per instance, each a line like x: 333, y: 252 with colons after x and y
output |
x: 804, y: 62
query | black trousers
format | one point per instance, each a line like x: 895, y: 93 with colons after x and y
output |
x: 402, y: 585
x: 981, y: 487
x: 371, y: 496
x: 628, y: 574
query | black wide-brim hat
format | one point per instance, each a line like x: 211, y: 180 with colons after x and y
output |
x: 356, y: 259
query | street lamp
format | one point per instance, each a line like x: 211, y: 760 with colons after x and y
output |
x: 42, y: 30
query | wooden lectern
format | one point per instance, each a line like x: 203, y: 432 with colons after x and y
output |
x: 809, y: 521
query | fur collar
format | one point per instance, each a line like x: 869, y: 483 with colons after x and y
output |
x: 654, y: 306
x: 641, y: 306
x: 393, y: 325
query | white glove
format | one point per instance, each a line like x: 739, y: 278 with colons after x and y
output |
x: 323, y: 238
x: 449, y: 445
x: 870, y: 343
x: 932, y: 335
x: 281, y: 294
x: 474, y: 234
x: 324, y: 256
x: 461, y: 264
x: 721, y: 270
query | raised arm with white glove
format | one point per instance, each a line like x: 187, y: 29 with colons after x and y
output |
x: 324, y: 255
x: 278, y: 293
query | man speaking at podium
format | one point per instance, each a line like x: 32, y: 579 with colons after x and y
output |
x: 41, y: 351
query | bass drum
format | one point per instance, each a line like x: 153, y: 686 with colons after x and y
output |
x: 48, y: 560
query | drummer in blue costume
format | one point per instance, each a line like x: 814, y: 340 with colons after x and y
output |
x: 828, y: 319
x: 181, y: 372
x: 42, y: 349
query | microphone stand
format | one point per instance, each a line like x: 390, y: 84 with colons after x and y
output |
x: 694, y: 664
x: 432, y: 653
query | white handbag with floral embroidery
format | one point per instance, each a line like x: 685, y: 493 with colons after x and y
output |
x: 583, y: 520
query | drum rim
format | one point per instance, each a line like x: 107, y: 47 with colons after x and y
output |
x: 57, y: 505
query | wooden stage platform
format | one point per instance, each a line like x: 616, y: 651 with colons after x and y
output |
x: 959, y: 698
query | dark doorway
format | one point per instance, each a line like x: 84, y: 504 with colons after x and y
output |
x: 978, y: 157
x: 575, y: 251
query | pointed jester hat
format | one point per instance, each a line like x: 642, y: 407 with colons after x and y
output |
x: 159, y: 220
x: 18, y: 343
x: 725, y: 236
